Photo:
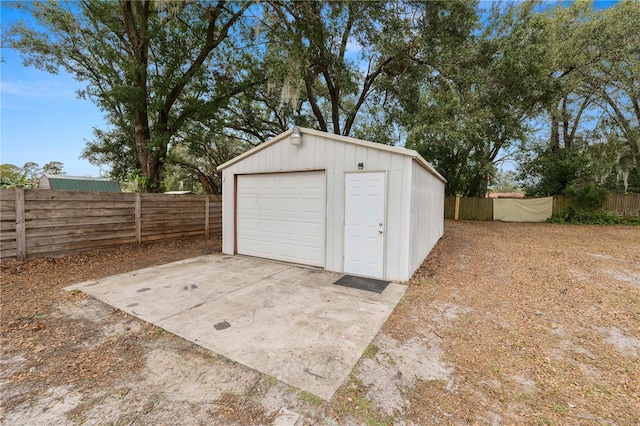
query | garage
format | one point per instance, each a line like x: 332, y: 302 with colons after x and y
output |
x: 281, y: 216
x: 339, y: 203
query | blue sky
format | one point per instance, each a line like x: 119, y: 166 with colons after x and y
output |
x: 41, y: 118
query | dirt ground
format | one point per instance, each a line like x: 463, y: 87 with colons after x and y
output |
x: 502, y: 324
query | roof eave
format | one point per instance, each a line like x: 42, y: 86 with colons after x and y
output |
x: 393, y: 149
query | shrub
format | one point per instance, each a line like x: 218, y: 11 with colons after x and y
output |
x: 589, y: 196
x: 571, y: 215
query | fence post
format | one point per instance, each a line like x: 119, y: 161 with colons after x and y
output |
x: 138, y: 216
x: 21, y: 228
x: 457, y: 208
x: 206, y: 216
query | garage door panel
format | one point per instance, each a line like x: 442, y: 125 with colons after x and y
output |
x: 282, y: 216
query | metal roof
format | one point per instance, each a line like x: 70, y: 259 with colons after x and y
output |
x: 81, y: 183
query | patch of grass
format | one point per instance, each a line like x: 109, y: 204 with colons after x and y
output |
x: 75, y: 292
x: 558, y: 408
x: 543, y: 420
x: 351, y: 402
x: 495, y: 369
x: 310, y: 398
x: 236, y: 408
x: 603, y: 389
x: 272, y: 381
x: 574, y: 216
x: 371, y: 351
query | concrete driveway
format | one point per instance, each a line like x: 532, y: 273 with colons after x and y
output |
x: 287, y: 321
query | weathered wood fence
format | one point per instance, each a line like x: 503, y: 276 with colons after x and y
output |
x: 482, y: 208
x: 44, y: 222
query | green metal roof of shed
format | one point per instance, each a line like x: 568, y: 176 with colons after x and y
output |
x: 76, y: 183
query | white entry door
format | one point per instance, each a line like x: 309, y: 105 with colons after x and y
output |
x: 364, y: 225
x: 282, y: 216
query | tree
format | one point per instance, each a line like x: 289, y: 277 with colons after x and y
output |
x: 592, y: 119
x: 28, y: 174
x: 200, y: 154
x: 314, y: 58
x: 545, y: 172
x: 466, y: 108
x: 152, y: 67
x: 616, y: 76
x: 54, y: 168
x: 332, y: 55
x: 505, y: 181
x: 10, y: 176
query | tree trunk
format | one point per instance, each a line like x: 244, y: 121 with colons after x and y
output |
x: 554, y: 140
x: 208, y: 184
x: 565, y: 125
x: 630, y: 131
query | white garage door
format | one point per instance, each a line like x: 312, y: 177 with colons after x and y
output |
x: 282, y: 216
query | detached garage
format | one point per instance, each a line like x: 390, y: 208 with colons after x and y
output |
x: 334, y: 202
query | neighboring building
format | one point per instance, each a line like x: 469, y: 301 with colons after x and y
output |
x: 78, y: 183
x: 505, y: 195
x: 334, y: 202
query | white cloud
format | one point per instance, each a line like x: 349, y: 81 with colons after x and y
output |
x: 49, y: 89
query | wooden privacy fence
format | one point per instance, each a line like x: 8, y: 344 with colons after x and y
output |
x: 482, y: 208
x: 620, y: 204
x: 44, y: 222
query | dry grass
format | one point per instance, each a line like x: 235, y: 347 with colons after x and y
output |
x: 503, y: 324
x: 546, y: 327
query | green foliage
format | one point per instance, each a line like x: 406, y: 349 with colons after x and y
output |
x: 505, y: 181
x: 473, y: 102
x: 152, y: 67
x: 54, y: 168
x: 27, y: 175
x: 10, y: 176
x: 187, y: 85
x: 548, y: 173
x: 588, y: 196
x: 338, y: 60
x: 574, y: 216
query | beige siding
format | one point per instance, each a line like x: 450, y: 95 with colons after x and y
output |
x: 427, y: 211
x: 43, y: 183
x: 336, y: 158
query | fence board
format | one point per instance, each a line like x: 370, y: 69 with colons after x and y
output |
x: 21, y: 223
x: 58, y: 249
x: 87, y: 231
x: 76, y: 213
x: 150, y: 238
x: 69, y: 239
x: 89, y: 204
x: 6, y: 216
x: 561, y: 202
x: 7, y: 194
x: 62, y: 222
x: 163, y: 210
x: 449, y: 207
x: 79, y: 221
x: 476, y: 209
x: 9, y: 253
x: 623, y: 204
x: 49, y: 194
x: 8, y: 238
x: 7, y: 226
x: 171, y: 226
